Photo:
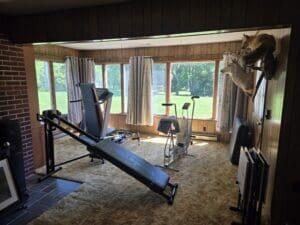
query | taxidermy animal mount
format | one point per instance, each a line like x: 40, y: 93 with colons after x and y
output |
x: 256, y: 48
x: 239, y: 76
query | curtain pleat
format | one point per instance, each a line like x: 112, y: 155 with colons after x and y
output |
x: 79, y: 70
x: 139, y: 110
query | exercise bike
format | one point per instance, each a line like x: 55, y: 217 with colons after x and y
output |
x: 178, y: 131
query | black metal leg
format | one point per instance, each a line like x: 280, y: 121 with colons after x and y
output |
x: 49, y: 174
x: 236, y: 208
x: 171, y: 195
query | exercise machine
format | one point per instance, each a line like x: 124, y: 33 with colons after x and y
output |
x: 178, y: 131
x: 148, y: 174
x: 96, y: 107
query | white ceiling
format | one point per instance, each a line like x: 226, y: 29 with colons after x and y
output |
x: 187, y: 39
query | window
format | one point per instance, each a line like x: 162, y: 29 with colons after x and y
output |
x: 98, y: 76
x: 61, y: 91
x: 193, y: 78
x: 126, y: 69
x: 52, y: 85
x: 113, y: 77
x: 43, y: 84
x: 159, y: 88
x: 187, y: 79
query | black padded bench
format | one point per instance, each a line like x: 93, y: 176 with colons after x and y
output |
x: 150, y: 175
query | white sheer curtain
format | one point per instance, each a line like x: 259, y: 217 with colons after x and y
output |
x: 231, y: 102
x: 79, y: 70
x: 139, y: 107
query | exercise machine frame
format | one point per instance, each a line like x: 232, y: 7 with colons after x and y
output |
x: 172, y: 150
x: 49, y: 127
x: 52, y: 120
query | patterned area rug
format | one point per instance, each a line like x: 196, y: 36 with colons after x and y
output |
x: 109, y: 196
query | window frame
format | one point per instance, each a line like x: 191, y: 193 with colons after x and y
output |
x: 103, y: 71
x: 168, y: 82
x: 51, y: 80
x: 215, y: 83
x: 105, y: 84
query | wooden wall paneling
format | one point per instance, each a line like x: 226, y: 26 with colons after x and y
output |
x: 137, y: 21
x: 36, y: 127
x: 171, y: 17
x: 270, y: 7
x: 225, y: 13
x: 271, y: 127
x: 53, y: 52
x: 147, y: 17
x: 184, y: 14
x: 52, y: 31
x: 286, y: 195
x: 91, y: 30
x: 23, y: 25
x: 288, y: 12
x: 203, y: 15
x: 4, y: 20
x: 156, y: 17
x: 38, y: 26
x: 200, y: 52
x: 238, y: 14
x: 119, y: 122
x: 213, y: 14
x: 197, y: 15
x: 253, y: 19
x: 125, y: 20
x: 109, y: 21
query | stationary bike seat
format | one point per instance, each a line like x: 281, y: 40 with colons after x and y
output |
x: 168, y: 124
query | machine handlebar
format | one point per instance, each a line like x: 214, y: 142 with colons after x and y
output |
x: 195, y: 96
x: 167, y: 104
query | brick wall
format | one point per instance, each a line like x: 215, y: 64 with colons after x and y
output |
x: 13, y: 95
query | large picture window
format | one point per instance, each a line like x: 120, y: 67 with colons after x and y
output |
x: 43, y: 84
x: 193, y: 78
x: 159, y: 88
x: 98, y: 76
x: 126, y: 69
x: 61, y: 91
x: 186, y: 79
x: 52, y: 85
x: 113, y: 77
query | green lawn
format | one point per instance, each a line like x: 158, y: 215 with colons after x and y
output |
x: 203, y: 108
x: 61, y: 101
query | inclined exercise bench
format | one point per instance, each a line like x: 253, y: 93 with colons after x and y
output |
x: 151, y: 176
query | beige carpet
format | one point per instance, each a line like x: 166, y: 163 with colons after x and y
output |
x: 110, y: 196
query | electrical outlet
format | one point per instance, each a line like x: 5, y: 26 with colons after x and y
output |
x: 204, y: 129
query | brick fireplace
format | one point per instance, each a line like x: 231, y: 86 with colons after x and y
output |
x: 14, y: 102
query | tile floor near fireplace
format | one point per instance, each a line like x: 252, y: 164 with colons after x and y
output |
x: 41, y: 197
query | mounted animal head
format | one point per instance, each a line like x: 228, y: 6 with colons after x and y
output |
x: 247, y: 40
x: 239, y: 76
x: 251, y: 43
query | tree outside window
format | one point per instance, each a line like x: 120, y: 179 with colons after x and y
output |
x: 193, y: 78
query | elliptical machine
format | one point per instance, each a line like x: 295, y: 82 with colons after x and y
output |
x: 179, y: 129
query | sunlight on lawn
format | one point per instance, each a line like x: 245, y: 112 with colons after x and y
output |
x: 203, y: 108
x: 61, y: 101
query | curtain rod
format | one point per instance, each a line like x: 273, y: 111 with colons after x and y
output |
x: 79, y: 57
